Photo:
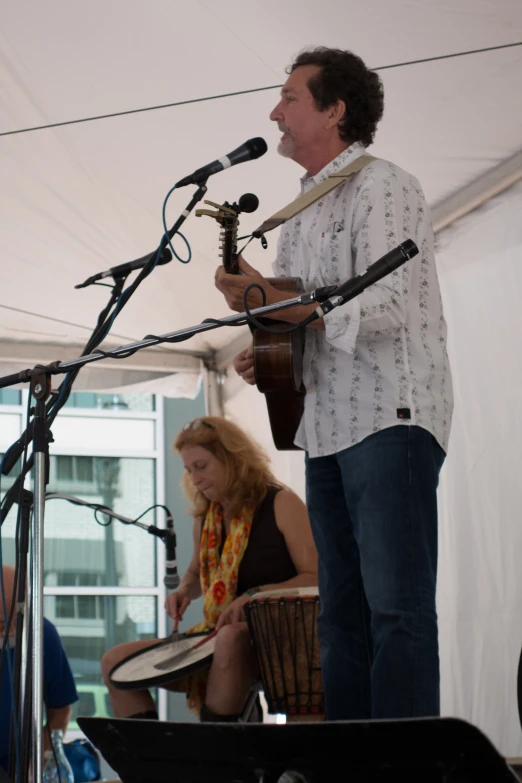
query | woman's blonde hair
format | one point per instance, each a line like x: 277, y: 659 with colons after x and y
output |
x: 247, y: 466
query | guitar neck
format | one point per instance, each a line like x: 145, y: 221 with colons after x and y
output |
x: 229, y: 245
x: 230, y: 264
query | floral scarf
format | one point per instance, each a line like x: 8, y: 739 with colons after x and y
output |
x: 218, y: 570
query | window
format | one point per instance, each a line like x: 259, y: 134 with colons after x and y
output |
x: 87, y: 607
x: 112, y: 402
x: 86, y: 476
x: 100, y: 580
x: 10, y: 397
x: 83, y: 552
x: 123, y: 618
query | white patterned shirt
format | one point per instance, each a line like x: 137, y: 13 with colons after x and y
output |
x: 381, y: 360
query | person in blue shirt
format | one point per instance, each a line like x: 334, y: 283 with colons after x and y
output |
x: 59, y: 688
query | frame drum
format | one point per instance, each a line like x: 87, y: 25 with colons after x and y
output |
x: 161, y: 663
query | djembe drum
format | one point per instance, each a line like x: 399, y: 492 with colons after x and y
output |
x: 283, y: 627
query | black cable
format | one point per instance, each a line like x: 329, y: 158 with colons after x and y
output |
x: 119, y: 298
x: 264, y: 327
x: 151, y: 508
x: 104, y: 510
x: 249, y: 318
x: 99, y: 508
x: 448, y: 56
x: 138, y: 111
x: 179, y: 338
x: 246, y: 92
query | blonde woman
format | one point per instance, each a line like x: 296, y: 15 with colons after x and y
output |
x: 250, y: 534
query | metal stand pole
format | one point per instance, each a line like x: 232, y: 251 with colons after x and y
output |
x: 40, y: 388
x: 22, y: 645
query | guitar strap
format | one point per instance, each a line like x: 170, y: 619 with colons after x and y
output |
x: 317, y: 192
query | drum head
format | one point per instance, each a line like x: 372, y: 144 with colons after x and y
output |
x: 159, y: 663
x: 287, y: 593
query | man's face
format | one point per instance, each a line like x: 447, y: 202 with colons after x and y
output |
x: 297, y: 116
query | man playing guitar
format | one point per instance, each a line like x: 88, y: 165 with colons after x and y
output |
x: 378, y: 402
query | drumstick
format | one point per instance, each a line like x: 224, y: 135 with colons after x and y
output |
x: 205, y: 639
x: 178, y: 657
x: 175, y: 635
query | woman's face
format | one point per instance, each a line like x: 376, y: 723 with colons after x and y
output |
x: 207, y: 474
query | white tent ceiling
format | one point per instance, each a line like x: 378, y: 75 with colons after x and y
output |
x: 77, y: 199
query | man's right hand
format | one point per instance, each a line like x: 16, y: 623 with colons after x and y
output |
x: 244, y: 365
x: 176, y: 604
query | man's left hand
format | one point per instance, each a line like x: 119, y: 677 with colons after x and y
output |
x: 233, y: 287
x: 234, y: 613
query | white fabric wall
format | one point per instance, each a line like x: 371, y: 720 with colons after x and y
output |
x: 480, y: 579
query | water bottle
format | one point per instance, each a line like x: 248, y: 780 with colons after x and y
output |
x: 57, y: 768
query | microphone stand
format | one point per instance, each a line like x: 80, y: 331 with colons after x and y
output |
x: 31, y: 711
x: 239, y: 319
x: 152, y: 529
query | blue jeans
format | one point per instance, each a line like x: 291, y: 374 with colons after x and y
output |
x: 373, y: 510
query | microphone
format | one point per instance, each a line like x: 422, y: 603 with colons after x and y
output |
x: 171, y: 579
x: 248, y: 202
x: 250, y: 150
x: 356, y: 285
x: 124, y: 269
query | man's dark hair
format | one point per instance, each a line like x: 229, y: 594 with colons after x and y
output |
x: 344, y: 77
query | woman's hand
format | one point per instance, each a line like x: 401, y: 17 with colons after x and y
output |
x: 234, y: 613
x: 176, y: 604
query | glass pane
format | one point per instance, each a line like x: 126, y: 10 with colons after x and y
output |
x: 80, y: 551
x: 112, y: 402
x: 87, y: 605
x: 126, y: 619
x: 64, y: 468
x: 10, y: 397
x: 65, y: 606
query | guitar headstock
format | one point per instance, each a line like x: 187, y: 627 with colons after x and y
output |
x: 227, y: 217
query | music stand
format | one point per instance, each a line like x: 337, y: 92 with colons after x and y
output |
x: 426, y: 750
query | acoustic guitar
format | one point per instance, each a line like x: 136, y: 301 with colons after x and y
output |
x: 278, y: 358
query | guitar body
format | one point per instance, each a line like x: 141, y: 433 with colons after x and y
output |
x: 278, y: 368
x: 278, y: 359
